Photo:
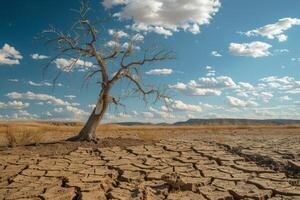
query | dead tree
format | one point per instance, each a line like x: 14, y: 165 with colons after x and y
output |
x: 84, y: 40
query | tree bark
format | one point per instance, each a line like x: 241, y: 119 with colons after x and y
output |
x: 88, y: 132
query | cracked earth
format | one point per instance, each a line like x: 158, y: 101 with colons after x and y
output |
x: 167, y: 169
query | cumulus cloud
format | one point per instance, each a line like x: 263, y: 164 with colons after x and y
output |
x: 160, y: 72
x: 69, y: 65
x: 69, y: 112
x: 147, y: 114
x: 9, y: 55
x: 254, y: 49
x: 23, y: 114
x: 276, y: 30
x: 116, y: 45
x: 118, y: 34
x: 266, y: 96
x: 14, y: 104
x: 216, y: 82
x: 205, y: 86
x: 245, y: 86
x: 190, y: 89
x: 210, y: 71
x: 42, y: 97
x: 78, y: 113
x: 112, y: 3
x: 285, y: 98
x: 137, y: 37
x: 165, y: 17
x: 38, y: 56
x: 216, y: 54
x: 161, y: 113
x: 285, y: 84
x: 178, y: 105
x: 235, y: 102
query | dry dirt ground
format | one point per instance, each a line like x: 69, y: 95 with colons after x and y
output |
x: 180, y: 163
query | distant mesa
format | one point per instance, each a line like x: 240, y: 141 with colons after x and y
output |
x: 230, y: 121
x: 220, y: 121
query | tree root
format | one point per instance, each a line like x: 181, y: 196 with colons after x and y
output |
x: 78, y: 138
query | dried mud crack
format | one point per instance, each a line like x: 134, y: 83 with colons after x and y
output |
x: 168, y: 169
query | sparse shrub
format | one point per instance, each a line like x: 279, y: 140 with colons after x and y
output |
x: 10, y: 137
x: 29, y: 137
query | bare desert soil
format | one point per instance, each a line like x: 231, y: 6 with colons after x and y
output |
x: 153, y: 163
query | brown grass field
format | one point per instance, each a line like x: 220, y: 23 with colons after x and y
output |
x: 35, y: 132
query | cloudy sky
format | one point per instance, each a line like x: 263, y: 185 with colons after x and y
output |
x: 238, y: 59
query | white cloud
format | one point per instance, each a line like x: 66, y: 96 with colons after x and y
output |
x: 166, y: 17
x: 23, y: 114
x: 276, y: 30
x: 281, y: 51
x: 118, y: 34
x: 205, y: 86
x: 295, y: 59
x: 113, y: 44
x: 78, y: 113
x: 9, y: 55
x: 41, y: 84
x: 125, y: 45
x: 266, y: 96
x: 242, y: 94
x: 246, y: 86
x: 235, y: 102
x: 254, y: 49
x: 192, y: 90
x: 38, y: 56
x: 92, y: 106
x: 161, y: 113
x: 216, y: 54
x: 160, y: 72
x: 112, y: 3
x: 147, y: 114
x: 42, y: 97
x: 283, y: 80
x: 211, y: 71
x: 285, y: 98
x: 13, y: 80
x: 284, y: 84
x: 178, y: 105
x: 216, y: 82
x: 70, y: 96
x: 58, y: 110
x: 137, y: 37
x: 14, y: 104
x: 68, y: 65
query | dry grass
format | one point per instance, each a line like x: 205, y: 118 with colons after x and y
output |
x: 34, y: 132
x: 10, y: 137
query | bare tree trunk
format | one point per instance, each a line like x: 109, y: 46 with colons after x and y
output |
x: 88, y: 132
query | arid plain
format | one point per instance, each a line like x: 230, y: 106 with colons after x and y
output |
x: 149, y: 162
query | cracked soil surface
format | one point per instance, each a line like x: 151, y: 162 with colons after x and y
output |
x: 167, y: 169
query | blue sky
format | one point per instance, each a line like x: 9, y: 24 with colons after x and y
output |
x: 234, y: 59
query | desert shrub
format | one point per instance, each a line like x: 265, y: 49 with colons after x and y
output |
x: 29, y: 138
x: 10, y: 137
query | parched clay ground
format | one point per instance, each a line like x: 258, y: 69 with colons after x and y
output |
x: 207, y: 167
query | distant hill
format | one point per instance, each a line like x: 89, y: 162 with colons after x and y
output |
x: 133, y: 123
x: 228, y: 121
x: 219, y: 121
